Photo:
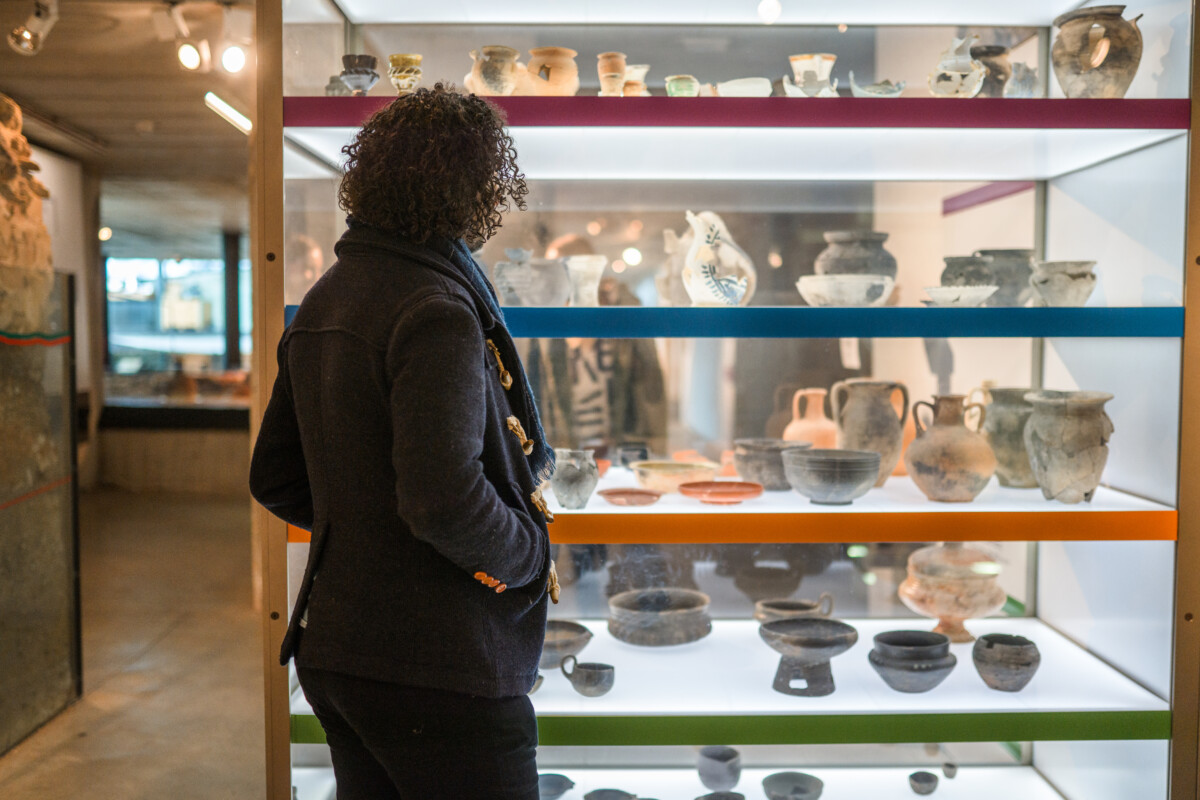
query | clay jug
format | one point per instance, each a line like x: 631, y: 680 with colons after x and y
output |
x: 1067, y: 440
x: 1004, y: 428
x: 948, y: 461
x: 866, y: 420
x: 1096, y: 52
x: 553, y: 72
x: 813, y: 426
x: 781, y: 415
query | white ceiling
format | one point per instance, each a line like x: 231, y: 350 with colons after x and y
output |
x: 174, y: 174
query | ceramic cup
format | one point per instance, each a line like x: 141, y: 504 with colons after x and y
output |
x: 720, y: 767
x: 589, y: 678
x: 682, y: 86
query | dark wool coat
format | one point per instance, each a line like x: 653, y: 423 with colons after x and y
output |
x: 388, y: 436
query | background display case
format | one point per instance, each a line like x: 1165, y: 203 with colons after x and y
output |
x: 1111, y: 711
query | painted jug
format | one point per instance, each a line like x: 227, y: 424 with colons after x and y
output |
x: 716, y: 272
x: 1067, y: 440
x: 811, y: 426
x: 866, y: 419
x: 1096, y: 52
x: 948, y: 461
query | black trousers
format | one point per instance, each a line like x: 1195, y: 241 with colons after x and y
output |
x: 393, y: 742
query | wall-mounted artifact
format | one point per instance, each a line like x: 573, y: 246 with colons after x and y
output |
x: 855, y: 253
x: 912, y: 661
x: 404, y: 71
x: 957, y: 74
x: 867, y: 420
x: 807, y: 646
x: 716, y: 272
x: 1067, y: 440
x: 1062, y: 284
x: 1096, y: 52
x: 1006, y: 663
x: 952, y: 583
x: 948, y: 461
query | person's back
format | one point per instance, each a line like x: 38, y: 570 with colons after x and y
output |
x: 402, y: 434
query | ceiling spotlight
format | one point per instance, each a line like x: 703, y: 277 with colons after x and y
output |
x: 237, y: 34
x: 228, y: 113
x: 769, y: 11
x: 233, y: 59
x: 27, y: 39
x: 104, y: 234
x: 632, y: 256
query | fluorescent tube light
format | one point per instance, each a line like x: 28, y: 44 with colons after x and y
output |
x: 228, y: 113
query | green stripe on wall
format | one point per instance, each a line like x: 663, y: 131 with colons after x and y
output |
x: 831, y: 729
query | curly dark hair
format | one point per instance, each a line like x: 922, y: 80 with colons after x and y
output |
x: 433, y: 163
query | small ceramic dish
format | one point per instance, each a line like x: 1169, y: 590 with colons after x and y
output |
x: 845, y: 291
x: 552, y: 786
x: 793, y: 786
x: 630, y: 497
x: 721, y: 493
x: 959, y: 296
x: 745, y: 87
x: 666, y: 476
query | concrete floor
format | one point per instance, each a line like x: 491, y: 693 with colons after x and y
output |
x: 172, y: 660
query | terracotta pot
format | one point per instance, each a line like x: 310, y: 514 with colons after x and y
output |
x: 952, y: 583
x: 1067, y: 441
x: 1011, y: 270
x: 1096, y: 52
x: 553, y: 72
x: 495, y: 72
x: 633, y: 89
x: 813, y: 426
x: 995, y: 58
x: 948, y: 461
x: 866, y: 420
x: 612, y: 85
x: 855, y: 253
x: 1004, y: 428
x: 611, y: 64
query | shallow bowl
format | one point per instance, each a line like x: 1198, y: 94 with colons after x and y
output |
x: 831, y: 477
x: 659, y: 617
x: 630, y: 497
x: 845, y: 291
x: 761, y: 461
x: 959, y: 296
x: 552, y: 786
x: 667, y: 476
x: 923, y: 782
x: 793, y: 786
x: 721, y: 493
x: 563, y: 638
x: 784, y: 608
x: 809, y: 639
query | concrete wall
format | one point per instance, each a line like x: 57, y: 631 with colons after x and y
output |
x: 212, y: 462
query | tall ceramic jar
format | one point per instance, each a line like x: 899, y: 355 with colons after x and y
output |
x: 1067, y: 439
x: 553, y: 71
x: 811, y: 426
x: 1096, y: 52
x: 948, y: 461
x: 1011, y: 270
x: 855, y: 253
x: 1004, y: 428
x: 866, y: 419
x: 952, y: 583
x: 575, y: 477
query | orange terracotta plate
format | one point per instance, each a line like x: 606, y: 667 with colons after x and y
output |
x: 630, y: 497
x: 721, y: 493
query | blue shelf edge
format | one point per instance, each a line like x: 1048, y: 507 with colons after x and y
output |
x: 801, y: 322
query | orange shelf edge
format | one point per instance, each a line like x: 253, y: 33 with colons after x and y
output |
x: 936, y: 526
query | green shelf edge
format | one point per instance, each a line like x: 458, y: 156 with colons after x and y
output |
x: 1034, y: 726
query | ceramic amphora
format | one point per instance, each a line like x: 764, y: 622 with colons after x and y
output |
x: 995, y: 58
x: 1096, y: 52
x: 495, y: 73
x: 1004, y: 429
x: 716, y: 272
x: 866, y: 419
x: 811, y: 426
x: 1064, y: 283
x: 552, y: 72
x: 948, y: 461
x: 575, y: 477
x: 855, y: 253
x: 1010, y: 270
x: 1067, y: 440
x: 952, y: 583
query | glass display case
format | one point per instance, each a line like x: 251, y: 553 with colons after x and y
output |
x: 1034, y: 490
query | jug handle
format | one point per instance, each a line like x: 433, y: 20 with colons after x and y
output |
x: 903, y: 396
x: 825, y: 607
x: 982, y: 415
x: 796, y: 398
x: 917, y: 417
x: 835, y: 395
x: 983, y: 397
x: 782, y: 390
x: 563, y: 666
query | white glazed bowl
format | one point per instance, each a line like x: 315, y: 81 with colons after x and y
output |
x: 845, y: 290
x: 959, y: 296
x: 745, y: 87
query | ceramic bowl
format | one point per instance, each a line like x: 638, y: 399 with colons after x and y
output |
x: 783, y: 608
x: 759, y: 583
x: 793, y: 786
x: 809, y: 640
x: 552, y: 786
x: 721, y: 493
x: 609, y: 794
x: 831, y: 477
x: 659, y: 617
x: 667, y: 476
x: 722, y: 796
x: 720, y: 767
x: 630, y: 497
x: 1006, y: 662
x: 845, y: 291
x: 912, y: 661
x: 959, y: 296
x: 761, y: 461
x: 923, y: 782
x: 745, y: 87
x: 563, y: 638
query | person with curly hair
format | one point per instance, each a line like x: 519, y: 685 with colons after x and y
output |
x: 402, y: 433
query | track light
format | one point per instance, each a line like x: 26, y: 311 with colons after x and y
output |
x: 194, y: 55
x: 27, y: 39
x: 237, y: 35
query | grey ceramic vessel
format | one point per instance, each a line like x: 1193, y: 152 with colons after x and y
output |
x: 563, y: 638
x: 589, y: 678
x: 609, y: 794
x: 855, y: 253
x: 722, y: 796
x: 762, y: 582
x: 761, y: 461
x: 720, y: 767
x: 1006, y: 662
x: 912, y: 661
x: 1004, y: 428
x: 552, y: 786
x: 659, y: 617
x: 967, y: 271
x: 807, y: 645
x: 575, y: 477
x: 923, y: 782
x: 1011, y: 270
x: 831, y: 477
x: 950, y: 769
x: 793, y: 786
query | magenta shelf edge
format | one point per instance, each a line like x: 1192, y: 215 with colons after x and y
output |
x: 783, y: 112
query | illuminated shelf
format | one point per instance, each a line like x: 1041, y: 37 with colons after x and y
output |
x: 719, y: 690
x: 315, y: 783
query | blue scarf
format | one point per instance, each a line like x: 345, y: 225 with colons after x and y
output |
x: 541, y: 460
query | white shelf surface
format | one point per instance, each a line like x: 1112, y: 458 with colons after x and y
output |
x: 899, y: 494
x: 730, y: 672
x: 694, y: 12
x: 314, y: 783
x: 792, y: 154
